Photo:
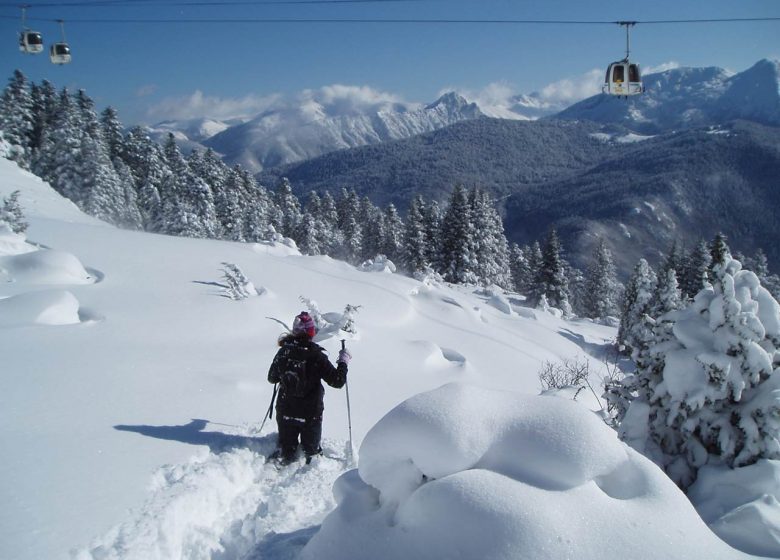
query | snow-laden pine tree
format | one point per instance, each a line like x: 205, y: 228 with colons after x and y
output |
x: 491, y: 248
x: 11, y: 213
x: 98, y: 188
x: 695, y: 273
x: 553, y: 282
x: 637, y: 305
x: 432, y: 218
x: 534, y: 288
x: 373, y: 227
x: 44, y: 104
x: 54, y: 161
x: 17, y: 120
x: 458, y: 262
x: 719, y: 253
x: 760, y: 265
x: 352, y: 249
x: 715, y: 392
x: 290, y: 208
x: 150, y: 170
x: 257, y: 206
x: 392, y: 243
x: 186, y: 200
x: 518, y: 266
x: 601, y: 297
x: 415, y: 258
x: 228, y: 207
x: 328, y: 216
x: 312, y: 234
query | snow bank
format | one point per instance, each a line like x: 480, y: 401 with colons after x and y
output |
x: 742, y: 505
x: 13, y: 243
x: 49, y: 307
x: 44, y: 267
x: 467, y: 472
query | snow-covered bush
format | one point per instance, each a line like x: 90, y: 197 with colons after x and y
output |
x: 380, y: 263
x: 11, y: 213
x: 237, y: 286
x: 570, y: 373
x: 707, y: 390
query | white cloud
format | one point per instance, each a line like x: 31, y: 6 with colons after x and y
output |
x: 198, y: 105
x: 339, y: 99
x: 571, y: 90
x: 663, y: 67
x: 327, y: 101
x: 146, y: 90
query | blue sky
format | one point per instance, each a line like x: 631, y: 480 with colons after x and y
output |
x: 151, y: 70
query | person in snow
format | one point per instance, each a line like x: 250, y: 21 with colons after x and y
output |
x: 299, y: 367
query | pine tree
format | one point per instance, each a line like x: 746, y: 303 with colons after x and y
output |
x: 491, y: 248
x: 312, y: 234
x: 432, y: 218
x: 44, y: 103
x: 373, y: 228
x: 535, y: 288
x: 17, y: 120
x: 228, y: 207
x: 719, y: 252
x: 458, y: 260
x: 552, y: 276
x: 415, y: 260
x: 333, y: 238
x: 637, y: 305
x: 149, y: 170
x: 715, y: 400
x: 696, y: 270
x: 394, y: 230
x: 518, y: 266
x: 290, y: 208
x: 602, y: 289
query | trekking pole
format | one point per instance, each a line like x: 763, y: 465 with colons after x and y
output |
x: 270, y: 412
x: 350, y: 450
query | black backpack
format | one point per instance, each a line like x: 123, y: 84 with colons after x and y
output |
x: 294, y: 379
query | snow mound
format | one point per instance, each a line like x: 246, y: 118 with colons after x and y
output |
x: 741, y: 505
x: 44, y: 267
x: 13, y: 243
x: 467, y: 472
x: 49, y: 307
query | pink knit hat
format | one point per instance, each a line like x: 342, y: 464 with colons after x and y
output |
x: 303, y: 323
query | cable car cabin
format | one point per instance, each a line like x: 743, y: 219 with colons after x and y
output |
x: 59, y: 53
x: 623, y: 78
x: 30, y: 42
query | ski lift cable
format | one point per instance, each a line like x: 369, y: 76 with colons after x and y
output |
x: 396, y: 21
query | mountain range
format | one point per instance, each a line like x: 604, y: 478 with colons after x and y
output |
x: 698, y: 153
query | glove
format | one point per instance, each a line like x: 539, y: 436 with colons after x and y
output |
x: 344, y: 356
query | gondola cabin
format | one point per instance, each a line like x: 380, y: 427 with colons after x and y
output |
x: 623, y: 78
x: 30, y: 42
x: 59, y: 53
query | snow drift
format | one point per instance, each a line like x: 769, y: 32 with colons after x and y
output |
x: 467, y: 472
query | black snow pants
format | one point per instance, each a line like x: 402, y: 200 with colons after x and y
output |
x: 290, y: 429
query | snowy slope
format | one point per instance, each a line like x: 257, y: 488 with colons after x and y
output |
x: 131, y: 432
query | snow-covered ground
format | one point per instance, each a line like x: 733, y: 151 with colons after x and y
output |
x: 132, y: 391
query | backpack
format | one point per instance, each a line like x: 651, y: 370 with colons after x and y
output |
x: 294, y: 378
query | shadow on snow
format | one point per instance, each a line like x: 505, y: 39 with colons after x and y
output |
x: 194, y: 434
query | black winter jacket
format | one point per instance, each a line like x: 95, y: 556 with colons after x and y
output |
x: 318, y: 367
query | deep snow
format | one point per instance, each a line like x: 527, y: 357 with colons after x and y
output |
x: 131, y: 393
